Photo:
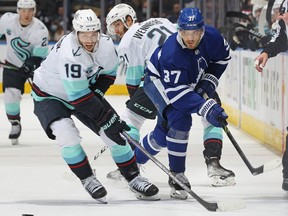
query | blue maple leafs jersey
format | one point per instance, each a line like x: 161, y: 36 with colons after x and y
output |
x: 180, y: 68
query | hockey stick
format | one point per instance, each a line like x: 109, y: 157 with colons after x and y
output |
x: 9, y: 66
x: 240, y: 15
x: 255, y: 171
x: 12, y: 67
x: 228, y: 205
x: 100, y: 152
x: 71, y: 176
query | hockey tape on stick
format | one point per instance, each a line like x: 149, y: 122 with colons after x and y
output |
x: 255, y: 171
x: 227, y: 205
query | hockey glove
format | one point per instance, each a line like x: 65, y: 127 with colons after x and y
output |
x: 112, y: 126
x: 213, y: 113
x: 207, y: 84
x: 30, y: 65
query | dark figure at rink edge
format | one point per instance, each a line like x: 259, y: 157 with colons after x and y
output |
x: 278, y: 44
x: 72, y: 80
x: 138, y: 42
x: 179, y: 75
x: 27, y: 45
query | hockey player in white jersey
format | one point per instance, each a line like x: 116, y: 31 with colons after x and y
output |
x: 27, y: 45
x: 72, y: 80
x: 178, y: 77
x: 138, y: 42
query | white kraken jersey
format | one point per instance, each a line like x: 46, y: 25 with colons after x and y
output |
x: 139, y: 43
x: 23, y: 42
x: 69, y: 69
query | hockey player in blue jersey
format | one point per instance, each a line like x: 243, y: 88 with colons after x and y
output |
x: 138, y: 42
x: 180, y: 74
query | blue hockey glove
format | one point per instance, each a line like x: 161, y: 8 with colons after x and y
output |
x: 112, y: 126
x: 207, y: 84
x: 213, y: 113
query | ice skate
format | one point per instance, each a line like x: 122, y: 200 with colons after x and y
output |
x: 115, y: 175
x: 15, y: 131
x: 95, y: 189
x: 143, y: 189
x: 285, y: 184
x: 219, y: 175
x: 177, y: 192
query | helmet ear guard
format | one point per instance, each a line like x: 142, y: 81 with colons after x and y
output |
x: 120, y: 12
x: 190, y: 19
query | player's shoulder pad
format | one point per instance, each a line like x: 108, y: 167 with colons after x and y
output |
x: 8, y: 15
x: 212, y: 35
x: 39, y: 24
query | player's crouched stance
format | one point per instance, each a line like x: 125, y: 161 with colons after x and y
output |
x: 173, y: 77
x: 72, y: 80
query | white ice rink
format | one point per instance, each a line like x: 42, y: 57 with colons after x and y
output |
x: 35, y: 180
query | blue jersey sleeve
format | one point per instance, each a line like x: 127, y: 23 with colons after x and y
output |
x: 219, y: 52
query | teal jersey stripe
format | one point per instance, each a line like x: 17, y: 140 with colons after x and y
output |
x: 40, y: 51
x: 76, y: 89
x: 37, y: 98
x: 134, y: 75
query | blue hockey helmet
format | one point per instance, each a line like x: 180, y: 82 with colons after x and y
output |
x: 190, y: 19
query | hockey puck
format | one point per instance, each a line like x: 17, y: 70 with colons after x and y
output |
x: 27, y: 215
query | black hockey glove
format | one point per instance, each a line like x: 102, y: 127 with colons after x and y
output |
x: 213, y: 113
x: 207, y: 84
x: 112, y: 126
x: 30, y: 65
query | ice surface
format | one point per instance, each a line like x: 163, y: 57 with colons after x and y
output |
x: 33, y: 176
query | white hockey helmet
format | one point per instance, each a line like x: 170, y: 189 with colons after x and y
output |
x: 26, y: 4
x: 120, y: 12
x: 85, y: 21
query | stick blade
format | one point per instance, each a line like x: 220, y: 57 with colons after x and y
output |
x: 272, y: 165
x: 231, y: 205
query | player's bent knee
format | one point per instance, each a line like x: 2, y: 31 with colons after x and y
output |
x: 66, y: 132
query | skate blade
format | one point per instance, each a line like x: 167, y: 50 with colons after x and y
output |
x: 14, y: 141
x: 178, y: 194
x: 102, y: 200
x: 218, y: 182
x: 155, y: 197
